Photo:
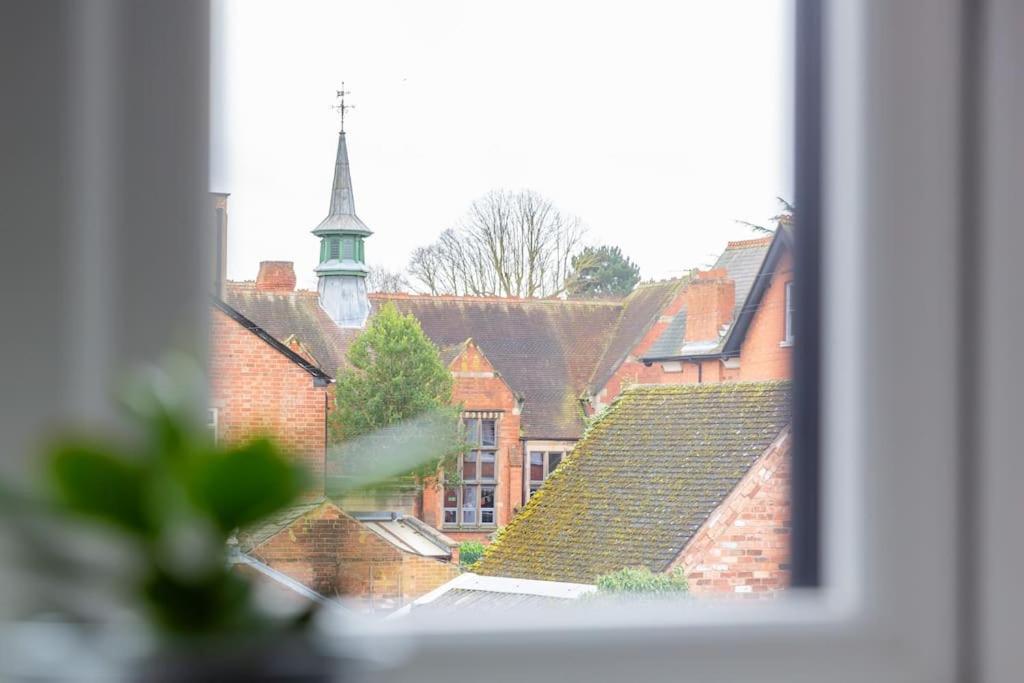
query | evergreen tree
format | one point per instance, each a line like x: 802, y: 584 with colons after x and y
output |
x: 602, y: 272
x: 393, y: 402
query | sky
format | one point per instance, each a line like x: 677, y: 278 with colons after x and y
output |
x: 659, y: 124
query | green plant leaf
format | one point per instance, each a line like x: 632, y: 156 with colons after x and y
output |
x: 243, y: 485
x: 92, y: 481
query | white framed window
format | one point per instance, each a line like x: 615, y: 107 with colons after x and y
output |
x: 890, y: 425
x: 540, y: 464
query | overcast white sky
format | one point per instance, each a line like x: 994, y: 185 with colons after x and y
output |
x: 658, y: 123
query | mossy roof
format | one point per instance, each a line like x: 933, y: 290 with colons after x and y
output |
x: 641, y: 482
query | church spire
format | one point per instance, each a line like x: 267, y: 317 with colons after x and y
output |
x: 342, y: 270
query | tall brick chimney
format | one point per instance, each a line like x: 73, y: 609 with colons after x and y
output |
x: 276, y: 276
x: 710, y: 299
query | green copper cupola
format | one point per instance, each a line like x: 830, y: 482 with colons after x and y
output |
x: 342, y: 270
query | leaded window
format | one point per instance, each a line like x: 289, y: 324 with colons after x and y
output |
x: 472, y: 503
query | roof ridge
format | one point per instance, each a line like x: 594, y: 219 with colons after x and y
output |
x: 403, y: 296
x: 748, y: 244
x: 708, y: 387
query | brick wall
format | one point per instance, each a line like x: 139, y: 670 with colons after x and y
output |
x: 256, y: 390
x: 337, y: 555
x: 762, y: 355
x: 479, y: 388
x: 743, y: 547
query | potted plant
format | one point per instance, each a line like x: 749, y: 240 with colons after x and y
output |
x: 156, y: 505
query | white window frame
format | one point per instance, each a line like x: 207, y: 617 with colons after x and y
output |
x: 892, y: 423
x: 892, y: 415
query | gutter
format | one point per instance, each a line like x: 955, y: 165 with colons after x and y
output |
x: 721, y: 355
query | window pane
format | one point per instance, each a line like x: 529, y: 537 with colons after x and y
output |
x: 488, y: 435
x: 536, y: 466
x: 451, y: 498
x: 469, y: 472
x: 487, y: 505
x: 449, y: 517
x: 487, y: 465
x: 473, y: 430
x: 553, y: 460
x: 469, y: 501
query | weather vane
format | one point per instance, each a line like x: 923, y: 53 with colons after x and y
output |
x: 341, y: 107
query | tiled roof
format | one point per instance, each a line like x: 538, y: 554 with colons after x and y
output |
x: 742, y: 260
x: 549, y: 351
x: 262, y: 532
x: 295, y: 314
x: 643, y: 480
x: 545, y: 350
x: 640, y: 310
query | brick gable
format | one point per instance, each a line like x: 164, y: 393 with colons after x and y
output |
x: 743, y: 546
x: 336, y: 555
x: 256, y: 390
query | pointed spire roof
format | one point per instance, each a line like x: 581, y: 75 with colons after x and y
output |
x: 342, y: 215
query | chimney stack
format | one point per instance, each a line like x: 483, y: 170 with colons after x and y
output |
x: 276, y: 276
x: 220, y: 242
x: 710, y: 299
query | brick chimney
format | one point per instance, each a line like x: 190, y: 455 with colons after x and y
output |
x: 710, y: 299
x: 220, y: 242
x: 276, y: 276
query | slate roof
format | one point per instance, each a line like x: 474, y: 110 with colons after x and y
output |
x: 640, y: 310
x: 546, y: 350
x: 295, y: 313
x: 743, y: 261
x: 642, y: 481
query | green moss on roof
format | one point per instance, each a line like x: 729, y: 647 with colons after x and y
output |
x: 645, y: 477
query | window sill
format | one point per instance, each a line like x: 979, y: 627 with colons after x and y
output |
x: 785, y: 344
x: 478, y: 527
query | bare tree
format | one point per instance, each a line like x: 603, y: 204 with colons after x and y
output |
x: 509, y: 244
x: 388, y: 281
